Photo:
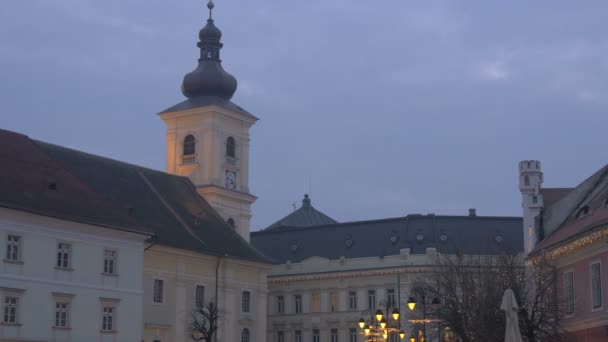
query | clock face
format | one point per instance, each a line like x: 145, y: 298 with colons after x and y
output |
x: 230, y: 180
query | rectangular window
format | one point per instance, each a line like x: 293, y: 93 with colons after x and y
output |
x: 390, y: 297
x: 246, y: 301
x: 62, y: 314
x: 371, y: 299
x: 569, y: 291
x: 298, y: 303
x: 63, y: 255
x: 316, y: 336
x: 200, y: 296
x: 297, y: 336
x: 280, y: 304
x: 13, y: 247
x: 11, y: 304
x: 352, y: 335
x: 316, y: 302
x: 107, y: 320
x: 109, y: 261
x: 157, y: 293
x: 334, y: 335
x: 280, y: 336
x: 352, y: 300
x: 596, y: 285
x: 333, y: 301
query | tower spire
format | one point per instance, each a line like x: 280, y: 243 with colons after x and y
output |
x: 209, y: 78
x: 210, y: 6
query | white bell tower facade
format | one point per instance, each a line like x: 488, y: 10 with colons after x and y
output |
x: 530, y: 182
x: 208, y: 135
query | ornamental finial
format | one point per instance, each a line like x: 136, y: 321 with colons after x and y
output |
x: 210, y: 6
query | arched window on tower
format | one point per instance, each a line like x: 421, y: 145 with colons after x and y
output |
x: 245, y: 335
x: 231, y: 223
x: 189, y: 155
x: 526, y: 180
x: 230, y: 147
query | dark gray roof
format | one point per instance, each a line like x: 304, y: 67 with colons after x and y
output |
x: 202, y: 101
x: 103, y: 191
x: 305, y: 216
x: 448, y: 234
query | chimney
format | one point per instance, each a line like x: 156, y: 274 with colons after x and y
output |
x: 472, y: 212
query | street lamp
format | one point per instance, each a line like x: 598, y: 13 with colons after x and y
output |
x: 411, y: 304
x: 376, y: 327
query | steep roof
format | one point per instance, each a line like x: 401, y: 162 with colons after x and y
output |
x: 563, y: 221
x: 552, y: 195
x: 305, y: 216
x: 32, y: 181
x: 166, y: 205
x: 448, y: 234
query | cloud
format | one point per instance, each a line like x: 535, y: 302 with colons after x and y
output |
x: 494, y: 71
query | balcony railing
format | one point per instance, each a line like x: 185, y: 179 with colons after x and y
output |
x: 230, y: 161
x: 189, y: 159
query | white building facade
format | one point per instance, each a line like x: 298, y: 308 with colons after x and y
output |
x: 68, y: 281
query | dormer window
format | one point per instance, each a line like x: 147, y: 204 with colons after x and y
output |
x: 527, y: 180
x: 584, y: 211
x: 230, y: 147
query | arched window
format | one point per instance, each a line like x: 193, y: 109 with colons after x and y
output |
x: 245, y: 335
x: 230, y: 147
x: 526, y: 180
x: 189, y: 145
x: 231, y: 223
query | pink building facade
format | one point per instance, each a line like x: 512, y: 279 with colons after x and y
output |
x: 571, y: 232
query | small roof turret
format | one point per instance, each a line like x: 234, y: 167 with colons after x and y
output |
x: 305, y: 216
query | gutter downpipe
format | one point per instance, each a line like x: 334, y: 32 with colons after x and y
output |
x: 217, y: 294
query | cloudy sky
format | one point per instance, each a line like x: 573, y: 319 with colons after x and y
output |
x: 387, y: 107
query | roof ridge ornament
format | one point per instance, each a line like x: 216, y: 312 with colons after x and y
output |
x: 210, y: 6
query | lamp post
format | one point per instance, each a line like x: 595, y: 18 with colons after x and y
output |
x: 377, y: 326
x: 411, y: 304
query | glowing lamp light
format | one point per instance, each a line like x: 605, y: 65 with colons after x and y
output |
x: 401, y: 334
x: 411, y: 304
x: 385, y: 335
x: 395, y: 314
x: 412, y: 339
x: 383, y: 324
x: 361, y: 323
x: 379, y: 315
x: 367, y: 330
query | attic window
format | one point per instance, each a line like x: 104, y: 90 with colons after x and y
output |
x: 443, y: 237
x: 498, y: 238
x: 419, y: 237
x: 394, y: 238
x: 584, y: 211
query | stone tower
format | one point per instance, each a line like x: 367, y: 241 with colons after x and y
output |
x: 530, y: 182
x: 208, y: 135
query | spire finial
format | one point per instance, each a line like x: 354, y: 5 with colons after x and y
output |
x: 210, y: 6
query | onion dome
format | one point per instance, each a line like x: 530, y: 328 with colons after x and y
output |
x: 209, y: 78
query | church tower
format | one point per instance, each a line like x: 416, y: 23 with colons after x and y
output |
x: 208, y: 135
x: 530, y: 182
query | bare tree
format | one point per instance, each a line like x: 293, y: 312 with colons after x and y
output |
x: 204, y: 322
x: 470, y: 289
